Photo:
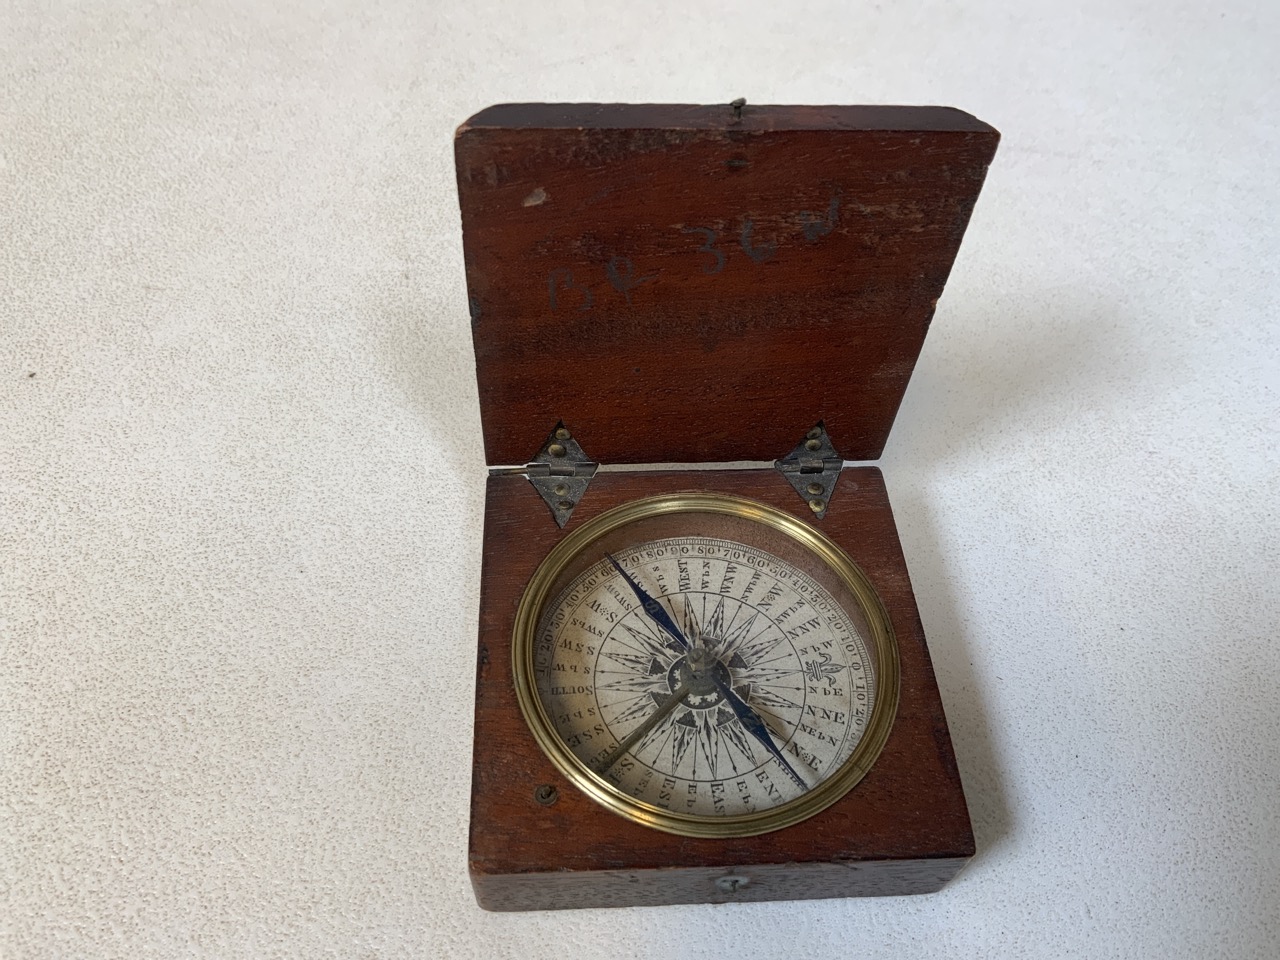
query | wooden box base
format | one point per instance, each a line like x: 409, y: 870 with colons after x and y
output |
x: 904, y: 829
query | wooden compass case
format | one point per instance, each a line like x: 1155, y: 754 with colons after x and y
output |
x: 705, y: 284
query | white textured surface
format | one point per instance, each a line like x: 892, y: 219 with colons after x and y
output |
x: 238, y: 597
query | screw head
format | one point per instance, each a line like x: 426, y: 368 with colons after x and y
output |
x: 546, y: 794
x: 817, y: 506
x: 814, y: 488
x: 562, y: 490
x: 812, y: 444
x: 562, y: 434
x: 556, y: 450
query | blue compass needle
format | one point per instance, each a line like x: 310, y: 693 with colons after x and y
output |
x: 751, y: 721
x: 748, y: 717
x: 651, y: 606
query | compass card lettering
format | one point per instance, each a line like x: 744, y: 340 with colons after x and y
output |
x: 705, y: 684
x: 651, y: 711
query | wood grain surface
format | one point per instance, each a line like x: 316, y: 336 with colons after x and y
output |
x: 677, y: 283
x: 903, y: 829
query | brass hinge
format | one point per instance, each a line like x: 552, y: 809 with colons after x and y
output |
x: 560, y: 472
x: 813, y: 468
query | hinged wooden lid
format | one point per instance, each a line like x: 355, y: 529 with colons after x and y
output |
x: 698, y: 283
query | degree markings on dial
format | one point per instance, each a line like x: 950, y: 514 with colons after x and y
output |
x: 764, y: 664
x: 690, y: 728
x: 727, y: 634
x: 871, y: 698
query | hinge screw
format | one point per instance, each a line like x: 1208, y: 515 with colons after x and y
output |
x: 813, y: 469
x: 546, y: 794
x: 560, y: 472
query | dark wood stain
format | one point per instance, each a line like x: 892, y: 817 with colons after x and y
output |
x: 903, y: 829
x: 763, y: 273
x: 691, y: 283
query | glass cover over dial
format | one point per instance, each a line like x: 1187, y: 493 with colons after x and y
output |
x: 727, y: 681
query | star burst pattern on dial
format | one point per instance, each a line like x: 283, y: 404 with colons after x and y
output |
x: 703, y: 675
x: 642, y: 667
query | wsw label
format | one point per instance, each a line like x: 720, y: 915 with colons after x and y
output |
x: 703, y: 676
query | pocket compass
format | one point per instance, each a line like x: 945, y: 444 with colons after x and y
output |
x: 705, y: 665
x: 698, y: 684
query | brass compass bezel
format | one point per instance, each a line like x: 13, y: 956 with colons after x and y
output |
x: 881, y: 643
